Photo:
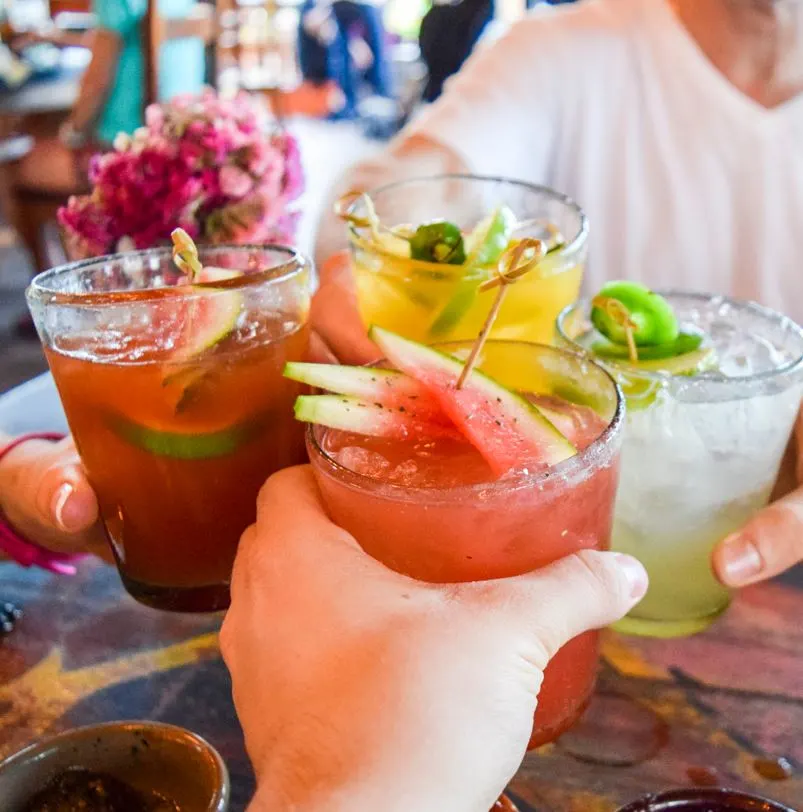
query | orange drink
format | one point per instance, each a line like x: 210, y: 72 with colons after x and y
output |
x: 175, y: 396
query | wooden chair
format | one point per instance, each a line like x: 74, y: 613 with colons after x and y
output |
x: 36, y: 206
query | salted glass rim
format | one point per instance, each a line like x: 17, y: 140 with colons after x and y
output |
x: 39, y: 292
x: 573, y: 246
x: 713, y: 378
x: 592, y: 458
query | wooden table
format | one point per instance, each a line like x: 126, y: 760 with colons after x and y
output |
x: 85, y: 653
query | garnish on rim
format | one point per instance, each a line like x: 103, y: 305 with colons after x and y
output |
x: 433, y: 394
x: 640, y: 327
x: 185, y: 254
x: 515, y: 263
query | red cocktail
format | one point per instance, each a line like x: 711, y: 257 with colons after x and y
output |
x: 432, y: 508
x: 174, y: 393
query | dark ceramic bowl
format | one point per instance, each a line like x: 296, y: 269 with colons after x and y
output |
x: 705, y: 800
x: 147, y: 756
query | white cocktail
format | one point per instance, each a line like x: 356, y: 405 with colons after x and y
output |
x: 701, y: 451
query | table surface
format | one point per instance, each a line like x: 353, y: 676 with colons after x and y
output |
x: 54, y: 94
x: 85, y: 653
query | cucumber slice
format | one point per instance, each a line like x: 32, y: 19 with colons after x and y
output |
x: 384, y: 387
x: 509, y: 431
x: 484, y: 247
x: 181, y: 446
x: 372, y: 419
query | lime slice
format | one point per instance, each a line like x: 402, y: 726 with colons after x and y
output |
x: 484, y: 247
x: 185, y: 446
x: 686, y: 342
x: 689, y: 363
x: 488, y: 241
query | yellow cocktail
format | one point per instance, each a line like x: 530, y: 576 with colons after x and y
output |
x: 438, y: 301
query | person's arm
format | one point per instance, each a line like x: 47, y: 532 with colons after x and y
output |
x: 498, y: 116
x: 359, y: 688
x: 96, y: 82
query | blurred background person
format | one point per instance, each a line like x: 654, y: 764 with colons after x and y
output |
x: 112, y: 94
x: 345, y: 42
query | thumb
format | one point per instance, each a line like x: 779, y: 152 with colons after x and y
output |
x: 587, y: 590
x: 771, y: 542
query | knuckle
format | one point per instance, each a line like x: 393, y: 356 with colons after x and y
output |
x: 226, y: 639
x: 601, y: 575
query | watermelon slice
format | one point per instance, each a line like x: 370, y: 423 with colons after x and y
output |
x: 386, y: 387
x: 509, y: 431
x: 210, y: 318
x: 372, y: 419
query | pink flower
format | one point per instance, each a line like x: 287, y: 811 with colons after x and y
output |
x: 207, y: 164
x: 234, y: 182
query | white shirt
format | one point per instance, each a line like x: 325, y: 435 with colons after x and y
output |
x: 687, y: 182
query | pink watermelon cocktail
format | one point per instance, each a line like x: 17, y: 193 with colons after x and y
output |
x: 435, y: 509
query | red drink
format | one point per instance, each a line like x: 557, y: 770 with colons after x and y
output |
x: 177, y: 441
x: 433, y: 509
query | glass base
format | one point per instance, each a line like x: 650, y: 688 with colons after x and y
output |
x: 212, y: 598
x: 650, y: 627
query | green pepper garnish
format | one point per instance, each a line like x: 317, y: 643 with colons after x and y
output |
x: 440, y: 242
x: 626, y: 312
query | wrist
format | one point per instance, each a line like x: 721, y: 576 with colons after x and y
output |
x: 72, y: 136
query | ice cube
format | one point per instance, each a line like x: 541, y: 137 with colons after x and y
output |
x: 406, y: 473
x: 363, y: 461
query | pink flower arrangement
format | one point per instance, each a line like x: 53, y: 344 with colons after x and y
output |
x: 209, y: 165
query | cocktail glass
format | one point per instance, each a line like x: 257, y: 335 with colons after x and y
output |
x: 701, y: 453
x: 453, y: 532
x: 175, y: 396
x: 431, y: 302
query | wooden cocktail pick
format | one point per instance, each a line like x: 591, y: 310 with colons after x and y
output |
x: 513, y: 264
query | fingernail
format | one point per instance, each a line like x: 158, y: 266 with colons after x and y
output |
x: 66, y: 517
x: 740, y: 559
x: 635, y: 573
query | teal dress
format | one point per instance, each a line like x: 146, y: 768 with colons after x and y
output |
x: 181, y: 63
